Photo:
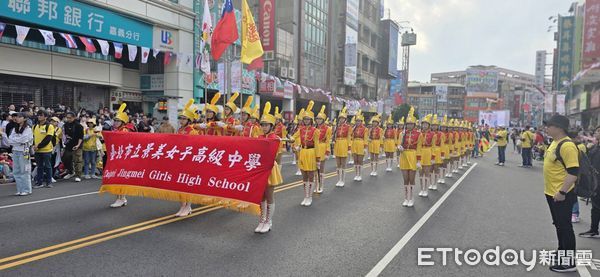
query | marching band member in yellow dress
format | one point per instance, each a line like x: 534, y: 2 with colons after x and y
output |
x: 410, y: 144
x: 307, y: 138
x: 360, y: 135
x: 445, y: 150
x: 437, y: 152
x: 390, y: 143
x: 463, y: 145
x: 426, y: 155
x: 281, y: 132
x: 292, y: 131
x: 228, y: 116
x: 299, y: 124
x: 186, y: 127
x: 267, y: 205
x: 341, y: 146
x: 451, y: 149
x: 121, y: 124
x: 213, y: 126
x: 249, y: 127
x: 457, y: 149
x: 399, y: 133
x: 322, y: 147
x: 470, y: 143
x: 375, y: 142
x: 352, y: 124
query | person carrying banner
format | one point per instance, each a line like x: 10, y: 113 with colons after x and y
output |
x: 281, y: 132
x: 322, y: 147
x: 267, y: 205
x: 410, y: 144
x: 360, y: 135
x: 438, y: 160
x: 389, y: 143
x: 306, y: 139
x: 228, y: 116
x: 425, y: 155
x: 341, y: 146
x: 186, y: 122
x: 375, y: 142
x: 122, y: 124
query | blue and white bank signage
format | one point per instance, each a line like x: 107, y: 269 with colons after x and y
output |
x: 79, y: 18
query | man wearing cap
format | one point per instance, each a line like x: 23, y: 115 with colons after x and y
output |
x: 561, y: 167
x: 501, y: 140
x: 43, y: 143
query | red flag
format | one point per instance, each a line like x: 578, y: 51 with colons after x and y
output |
x: 167, y: 59
x: 225, y: 33
x: 256, y: 64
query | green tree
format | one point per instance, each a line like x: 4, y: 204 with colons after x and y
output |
x: 402, y: 111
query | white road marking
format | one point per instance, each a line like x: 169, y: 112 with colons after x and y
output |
x: 48, y: 200
x: 583, y: 271
x: 383, y: 263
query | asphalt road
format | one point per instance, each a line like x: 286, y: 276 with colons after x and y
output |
x: 346, y: 232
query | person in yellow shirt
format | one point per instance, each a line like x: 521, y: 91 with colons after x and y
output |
x: 501, y: 141
x: 90, y: 150
x: 43, y: 143
x: 55, y: 159
x: 527, y: 138
x: 561, y: 168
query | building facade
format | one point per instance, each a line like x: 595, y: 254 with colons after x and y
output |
x: 55, y: 65
x: 437, y: 98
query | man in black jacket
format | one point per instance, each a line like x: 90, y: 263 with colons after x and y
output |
x: 73, y: 156
x: 594, y: 156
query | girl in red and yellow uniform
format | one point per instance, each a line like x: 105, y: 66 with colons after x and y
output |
x: 456, y: 147
x: 389, y: 143
x: 300, y: 123
x: 230, y: 122
x: 322, y: 147
x: 341, y: 146
x: 375, y: 142
x: 213, y: 126
x: 410, y: 144
x: 307, y: 138
x: 186, y: 123
x: 249, y: 126
x: 281, y: 132
x: 450, y: 145
x: 360, y: 135
x: 437, y: 152
x: 426, y: 154
x: 399, y: 133
x: 267, y: 205
x: 122, y: 125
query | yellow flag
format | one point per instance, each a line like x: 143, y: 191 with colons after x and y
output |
x: 251, y: 46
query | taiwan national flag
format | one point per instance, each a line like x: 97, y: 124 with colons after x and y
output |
x: 2, y: 27
x: 225, y: 33
x: 89, y: 44
x: 69, y: 40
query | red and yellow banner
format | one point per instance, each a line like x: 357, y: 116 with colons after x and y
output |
x: 227, y: 171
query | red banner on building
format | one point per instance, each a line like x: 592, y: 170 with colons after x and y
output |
x: 591, y: 36
x: 267, y: 24
x: 227, y: 171
x: 516, y: 106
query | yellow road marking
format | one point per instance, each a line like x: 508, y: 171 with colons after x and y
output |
x: 123, y: 231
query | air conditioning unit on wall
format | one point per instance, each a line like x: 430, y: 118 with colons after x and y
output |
x: 291, y: 73
x: 283, y: 72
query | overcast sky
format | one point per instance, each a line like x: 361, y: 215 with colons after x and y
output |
x: 454, y: 34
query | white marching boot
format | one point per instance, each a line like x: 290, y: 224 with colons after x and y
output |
x: 120, y: 202
x: 268, y: 225
x: 309, y: 196
x: 411, y: 202
x: 306, y: 188
x: 263, y: 217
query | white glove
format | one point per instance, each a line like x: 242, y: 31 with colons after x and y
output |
x: 400, y: 148
x: 298, y: 148
x: 239, y: 127
x: 221, y: 124
x: 419, y: 165
x: 202, y: 125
